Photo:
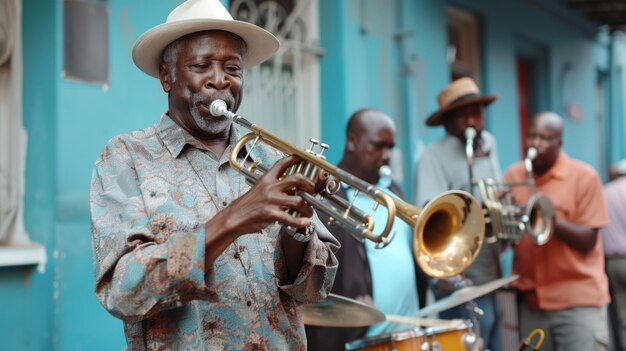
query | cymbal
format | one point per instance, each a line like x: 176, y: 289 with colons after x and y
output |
x: 340, y: 311
x: 465, y: 294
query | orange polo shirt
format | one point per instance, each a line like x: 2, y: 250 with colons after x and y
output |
x: 559, y: 275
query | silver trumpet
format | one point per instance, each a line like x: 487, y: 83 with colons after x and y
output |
x: 448, y: 232
x: 506, y: 219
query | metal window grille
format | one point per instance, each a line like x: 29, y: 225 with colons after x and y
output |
x: 282, y: 94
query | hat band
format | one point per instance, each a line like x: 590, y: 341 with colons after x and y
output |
x: 464, y: 97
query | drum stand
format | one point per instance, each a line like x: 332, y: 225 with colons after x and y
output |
x: 472, y: 340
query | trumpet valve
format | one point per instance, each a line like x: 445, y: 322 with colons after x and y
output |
x: 324, y: 147
x: 313, y: 143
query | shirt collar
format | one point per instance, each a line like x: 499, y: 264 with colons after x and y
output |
x: 175, y: 137
x: 558, y: 170
x: 172, y: 135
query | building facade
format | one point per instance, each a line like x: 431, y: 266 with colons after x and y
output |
x: 337, y: 56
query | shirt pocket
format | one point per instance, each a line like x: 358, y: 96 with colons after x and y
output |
x: 169, y: 209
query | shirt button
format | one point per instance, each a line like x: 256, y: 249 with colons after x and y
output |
x: 237, y: 255
x: 249, y: 303
x: 224, y: 203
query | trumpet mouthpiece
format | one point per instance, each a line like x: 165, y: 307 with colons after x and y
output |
x: 470, y: 133
x: 531, y: 153
x: 384, y: 171
x: 218, y: 108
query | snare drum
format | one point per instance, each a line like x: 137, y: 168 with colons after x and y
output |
x: 451, y: 338
x: 406, y: 340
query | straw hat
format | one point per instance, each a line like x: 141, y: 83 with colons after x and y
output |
x: 460, y: 93
x: 195, y: 16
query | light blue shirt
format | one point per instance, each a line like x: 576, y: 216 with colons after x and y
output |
x: 392, y: 268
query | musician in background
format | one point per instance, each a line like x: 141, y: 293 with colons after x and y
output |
x: 614, y: 239
x: 444, y: 166
x: 186, y: 253
x: 384, y: 278
x: 563, y: 286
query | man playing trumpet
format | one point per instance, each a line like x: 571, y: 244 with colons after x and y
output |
x: 563, y: 285
x: 385, y: 278
x: 444, y: 166
x: 187, y: 253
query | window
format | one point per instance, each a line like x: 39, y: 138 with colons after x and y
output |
x: 15, y: 246
x: 86, y: 41
x: 282, y: 94
x: 463, y: 45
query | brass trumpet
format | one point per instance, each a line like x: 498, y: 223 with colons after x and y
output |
x: 448, y: 232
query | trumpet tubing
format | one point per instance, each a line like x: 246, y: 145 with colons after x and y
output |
x: 350, y: 218
x: 447, y: 233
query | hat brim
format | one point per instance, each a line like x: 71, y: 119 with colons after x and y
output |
x: 260, y: 44
x: 437, y: 117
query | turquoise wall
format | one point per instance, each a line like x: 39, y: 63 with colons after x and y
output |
x: 88, y: 116
x: 389, y: 55
x: 68, y: 123
x: 392, y: 55
x: 573, y: 61
x: 26, y: 296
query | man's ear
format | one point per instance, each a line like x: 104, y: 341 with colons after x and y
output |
x: 165, y: 77
x: 351, y: 142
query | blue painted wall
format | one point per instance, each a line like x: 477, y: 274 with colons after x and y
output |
x: 68, y: 123
x: 389, y: 55
x: 26, y: 296
x: 89, y: 115
x: 392, y: 55
x: 385, y: 54
x: 571, y: 43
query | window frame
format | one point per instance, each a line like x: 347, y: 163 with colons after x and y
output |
x: 16, y: 247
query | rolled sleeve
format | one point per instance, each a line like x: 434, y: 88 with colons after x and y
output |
x: 319, y: 266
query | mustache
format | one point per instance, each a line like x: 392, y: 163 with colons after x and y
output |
x: 198, y: 99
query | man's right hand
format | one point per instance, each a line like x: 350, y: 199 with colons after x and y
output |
x: 265, y: 203
x: 268, y: 200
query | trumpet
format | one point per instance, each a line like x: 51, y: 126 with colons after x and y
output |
x: 447, y: 233
x: 506, y: 219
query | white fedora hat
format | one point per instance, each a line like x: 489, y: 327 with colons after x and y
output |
x: 195, y: 16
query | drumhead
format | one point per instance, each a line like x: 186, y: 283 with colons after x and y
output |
x: 383, y: 339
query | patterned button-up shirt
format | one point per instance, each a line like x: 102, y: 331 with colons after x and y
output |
x: 152, y: 192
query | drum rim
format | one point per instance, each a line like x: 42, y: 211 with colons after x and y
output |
x: 462, y: 325
x: 395, y: 336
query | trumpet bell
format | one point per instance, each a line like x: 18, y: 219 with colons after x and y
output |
x: 540, y: 223
x: 448, y: 234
